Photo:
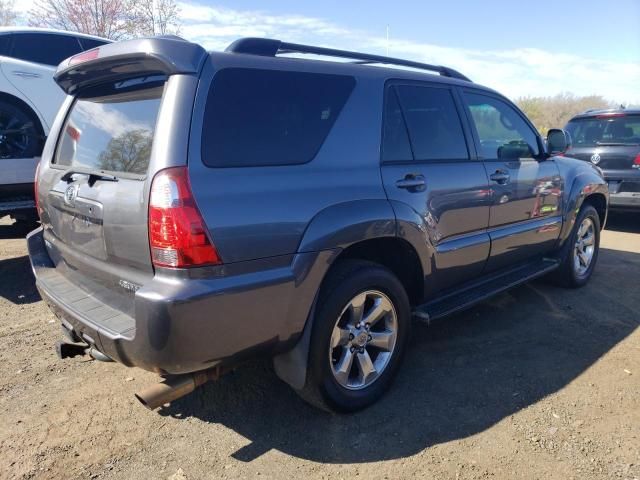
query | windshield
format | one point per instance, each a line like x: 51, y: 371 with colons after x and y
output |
x: 605, y: 130
x: 111, y: 132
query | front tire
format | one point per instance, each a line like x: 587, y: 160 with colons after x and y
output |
x: 360, y: 332
x: 580, y: 254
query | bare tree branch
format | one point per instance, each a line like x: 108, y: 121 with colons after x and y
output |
x: 7, y: 13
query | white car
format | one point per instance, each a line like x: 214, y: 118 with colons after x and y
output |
x: 29, y: 102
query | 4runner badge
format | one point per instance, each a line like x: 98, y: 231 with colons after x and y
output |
x: 595, y: 158
x: 70, y: 195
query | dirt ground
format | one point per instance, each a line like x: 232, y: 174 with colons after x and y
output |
x: 539, y: 382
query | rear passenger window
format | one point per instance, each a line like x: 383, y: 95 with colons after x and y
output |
x: 434, y: 126
x: 268, y: 117
x: 49, y: 49
x: 395, y: 143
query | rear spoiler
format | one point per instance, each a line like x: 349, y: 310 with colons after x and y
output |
x: 111, y: 62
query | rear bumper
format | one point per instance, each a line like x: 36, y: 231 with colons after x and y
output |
x: 185, y: 325
x: 624, y: 189
x: 17, y: 200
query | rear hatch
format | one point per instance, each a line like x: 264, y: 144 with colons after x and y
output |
x: 610, y: 140
x: 107, y: 144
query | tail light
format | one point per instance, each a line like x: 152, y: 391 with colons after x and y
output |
x: 636, y: 162
x: 35, y: 190
x: 177, y: 234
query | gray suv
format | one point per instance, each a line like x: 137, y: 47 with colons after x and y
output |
x: 202, y: 208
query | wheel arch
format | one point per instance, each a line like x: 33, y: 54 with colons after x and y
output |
x: 18, y: 102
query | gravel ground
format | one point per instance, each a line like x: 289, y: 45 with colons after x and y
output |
x: 539, y: 382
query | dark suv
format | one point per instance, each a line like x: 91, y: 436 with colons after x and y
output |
x: 199, y: 209
x: 610, y: 139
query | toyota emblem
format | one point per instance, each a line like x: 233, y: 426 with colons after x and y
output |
x: 70, y: 195
x: 595, y: 158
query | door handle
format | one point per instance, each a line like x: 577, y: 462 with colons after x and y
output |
x: 412, y: 183
x: 501, y: 177
x: 19, y: 73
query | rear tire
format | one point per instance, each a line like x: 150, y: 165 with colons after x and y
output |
x: 20, y: 133
x: 359, y: 336
x: 580, y: 253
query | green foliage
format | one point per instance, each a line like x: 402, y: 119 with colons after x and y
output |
x: 555, y: 112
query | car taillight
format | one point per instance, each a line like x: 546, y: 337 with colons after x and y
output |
x: 177, y: 233
x: 636, y: 162
x: 35, y: 190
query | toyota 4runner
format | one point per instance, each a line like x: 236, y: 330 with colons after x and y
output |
x: 201, y: 208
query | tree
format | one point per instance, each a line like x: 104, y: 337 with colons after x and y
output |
x: 114, y: 19
x: 104, y: 18
x: 157, y: 17
x: 7, y: 13
x: 128, y: 152
x: 556, y: 111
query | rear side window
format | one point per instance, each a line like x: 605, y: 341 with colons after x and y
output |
x: 44, y: 48
x: 89, y: 43
x: 268, y: 117
x: 605, y: 130
x: 395, y: 143
x: 434, y: 126
x: 4, y: 44
x: 502, y: 131
x: 111, y: 132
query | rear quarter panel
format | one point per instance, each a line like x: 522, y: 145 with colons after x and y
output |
x: 257, y: 212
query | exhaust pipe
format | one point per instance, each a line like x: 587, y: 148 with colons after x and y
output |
x: 176, y: 386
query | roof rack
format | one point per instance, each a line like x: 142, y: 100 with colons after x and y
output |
x: 270, y: 48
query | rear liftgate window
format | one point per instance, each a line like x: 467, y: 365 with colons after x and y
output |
x: 111, y: 132
x: 269, y: 117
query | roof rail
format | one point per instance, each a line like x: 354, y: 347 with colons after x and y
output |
x: 270, y: 48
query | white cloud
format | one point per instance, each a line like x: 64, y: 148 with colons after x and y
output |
x: 514, y: 72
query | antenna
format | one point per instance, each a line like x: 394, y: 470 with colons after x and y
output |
x: 387, y: 40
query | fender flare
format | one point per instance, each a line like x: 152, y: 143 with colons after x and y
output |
x: 331, y: 230
x: 584, y: 185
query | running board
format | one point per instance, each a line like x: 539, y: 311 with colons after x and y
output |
x: 482, y: 289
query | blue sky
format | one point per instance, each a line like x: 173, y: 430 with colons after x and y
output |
x: 537, y: 48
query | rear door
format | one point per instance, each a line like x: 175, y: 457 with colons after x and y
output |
x: 428, y: 163
x: 526, y: 187
x: 94, y: 190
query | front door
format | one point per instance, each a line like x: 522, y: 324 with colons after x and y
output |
x: 429, y: 168
x: 525, y: 217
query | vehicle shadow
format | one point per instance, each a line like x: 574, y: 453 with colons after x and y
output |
x: 10, y: 231
x: 460, y: 376
x: 628, y: 222
x: 16, y: 281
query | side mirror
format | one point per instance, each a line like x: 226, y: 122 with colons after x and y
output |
x: 558, y: 141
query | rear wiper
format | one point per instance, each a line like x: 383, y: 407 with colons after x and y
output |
x: 93, y: 176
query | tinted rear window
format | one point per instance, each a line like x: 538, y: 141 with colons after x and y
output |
x: 267, y: 117
x: 111, y: 132
x: 49, y: 49
x: 433, y: 122
x: 89, y: 43
x: 605, y: 130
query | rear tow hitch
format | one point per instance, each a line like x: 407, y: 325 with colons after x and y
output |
x: 70, y: 350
